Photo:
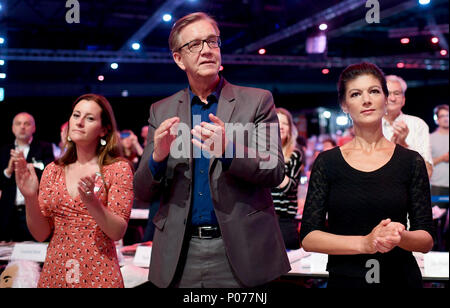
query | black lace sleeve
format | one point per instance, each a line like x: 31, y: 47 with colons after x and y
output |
x: 315, y: 211
x: 419, y: 210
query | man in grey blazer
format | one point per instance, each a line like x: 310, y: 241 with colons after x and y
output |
x: 216, y: 226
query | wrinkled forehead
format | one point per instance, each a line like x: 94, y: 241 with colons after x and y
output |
x: 200, y: 29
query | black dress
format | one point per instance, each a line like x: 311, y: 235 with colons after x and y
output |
x: 357, y: 201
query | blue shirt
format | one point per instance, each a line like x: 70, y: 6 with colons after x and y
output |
x: 202, y: 204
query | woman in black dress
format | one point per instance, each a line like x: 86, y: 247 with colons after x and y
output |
x: 368, y: 188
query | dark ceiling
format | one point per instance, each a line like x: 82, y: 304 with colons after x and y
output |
x: 46, y: 56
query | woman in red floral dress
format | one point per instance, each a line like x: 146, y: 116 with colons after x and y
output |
x: 83, y: 202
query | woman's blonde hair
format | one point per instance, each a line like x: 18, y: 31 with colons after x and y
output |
x: 290, y: 144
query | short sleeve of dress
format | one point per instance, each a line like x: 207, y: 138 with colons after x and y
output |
x: 120, y: 190
x: 315, y: 210
x: 420, y: 197
x: 46, y: 189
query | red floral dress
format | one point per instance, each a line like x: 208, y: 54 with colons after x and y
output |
x: 79, y: 254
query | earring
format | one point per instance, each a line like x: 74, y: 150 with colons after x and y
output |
x: 69, y: 139
x: 102, y: 142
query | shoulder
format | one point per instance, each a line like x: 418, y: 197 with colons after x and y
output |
x: 245, y: 91
x: 414, y: 120
x: 6, y: 148
x: 175, y: 98
x: 408, y: 155
x: 40, y: 144
x: 121, y: 165
x: 296, y: 154
x: 328, y: 157
x: 52, y: 169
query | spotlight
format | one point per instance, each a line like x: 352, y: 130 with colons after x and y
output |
x: 136, y: 46
x: 326, y: 114
x: 2, y: 75
x: 400, y: 65
x: 405, y: 40
x: 342, y: 120
x: 434, y: 40
x: 2, y: 40
x: 424, y: 2
x: 167, y: 17
x: 325, y: 71
x: 443, y: 52
x: 262, y: 51
x: 101, y: 77
x: 114, y: 66
x: 2, y: 62
x: 323, y: 27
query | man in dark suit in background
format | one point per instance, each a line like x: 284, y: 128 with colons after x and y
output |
x: 216, y: 226
x: 13, y: 225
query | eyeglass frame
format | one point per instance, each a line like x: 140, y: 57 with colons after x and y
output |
x: 396, y: 94
x: 219, y: 43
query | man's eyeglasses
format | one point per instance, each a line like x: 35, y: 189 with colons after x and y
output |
x: 196, y: 46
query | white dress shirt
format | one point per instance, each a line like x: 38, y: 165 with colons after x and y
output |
x: 20, y: 199
x: 418, y: 138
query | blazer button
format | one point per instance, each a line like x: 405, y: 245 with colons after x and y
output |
x: 184, y: 222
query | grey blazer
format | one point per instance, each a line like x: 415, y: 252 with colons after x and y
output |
x: 241, y: 194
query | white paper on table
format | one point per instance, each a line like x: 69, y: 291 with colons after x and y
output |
x: 29, y: 251
x: 133, y: 275
x: 297, y: 254
x: 317, y: 262
x: 435, y: 264
x: 139, y: 213
x: 142, y: 256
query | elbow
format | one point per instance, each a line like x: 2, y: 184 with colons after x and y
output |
x: 305, y: 244
x: 40, y: 237
x: 306, y: 247
x: 428, y: 246
x: 119, y: 233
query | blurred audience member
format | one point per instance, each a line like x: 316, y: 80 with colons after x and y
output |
x: 406, y: 130
x: 132, y: 150
x: 13, y: 226
x: 440, y: 177
x: 144, y: 134
x: 328, y: 144
x: 58, y: 150
x: 285, y: 195
x: 347, y: 136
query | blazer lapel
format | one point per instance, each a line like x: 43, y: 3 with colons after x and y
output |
x: 185, y: 114
x: 225, y: 109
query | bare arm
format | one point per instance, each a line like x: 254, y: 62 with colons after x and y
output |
x: 37, y: 223
x: 383, y: 238
x: 28, y: 183
x: 418, y: 240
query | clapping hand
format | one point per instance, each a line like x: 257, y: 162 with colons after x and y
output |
x: 401, y: 131
x: 86, y: 190
x: 212, y: 135
x: 26, y: 178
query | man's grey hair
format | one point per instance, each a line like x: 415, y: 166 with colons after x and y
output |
x: 395, y: 78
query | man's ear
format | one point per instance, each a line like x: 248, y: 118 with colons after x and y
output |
x: 177, y: 58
